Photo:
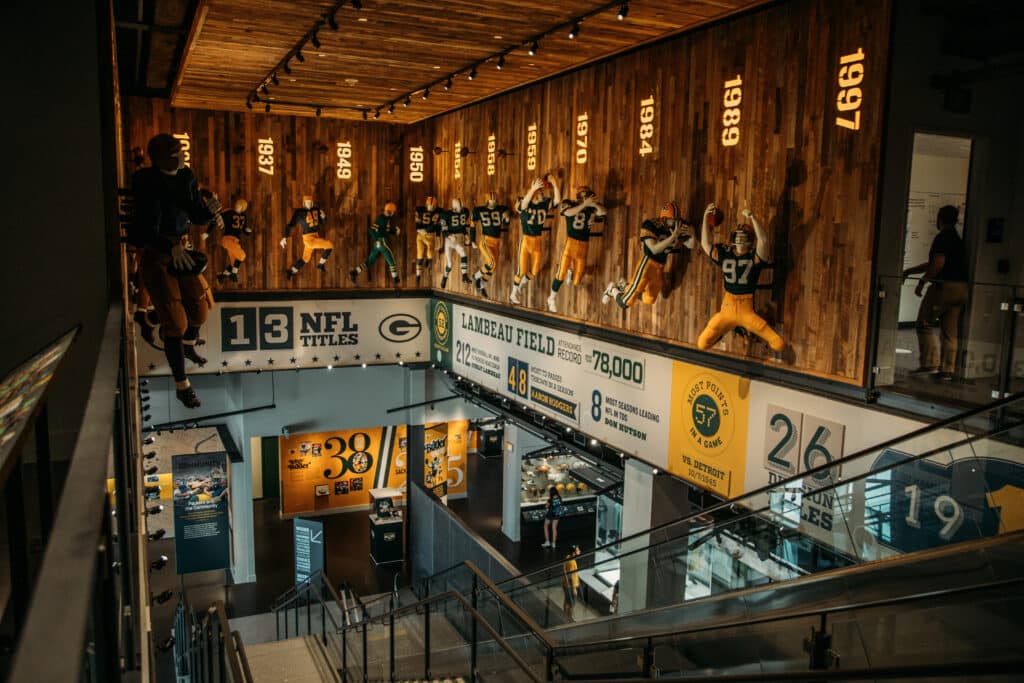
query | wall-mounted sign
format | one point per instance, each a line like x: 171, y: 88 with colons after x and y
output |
x: 848, y: 101
x: 646, y: 126
x: 732, y: 98
x: 344, y: 151
x: 532, y: 140
x: 202, y: 531
x: 309, y: 333
x: 416, y: 164
x: 582, y: 137
x: 186, y: 146
x: 309, y: 548
x: 265, y: 155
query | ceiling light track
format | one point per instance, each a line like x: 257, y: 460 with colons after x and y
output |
x: 312, y: 37
x: 569, y: 28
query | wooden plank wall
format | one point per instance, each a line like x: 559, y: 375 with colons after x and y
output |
x: 224, y: 157
x: 813, y: 184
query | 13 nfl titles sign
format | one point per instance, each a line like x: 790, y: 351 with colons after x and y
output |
x: 281, y: 335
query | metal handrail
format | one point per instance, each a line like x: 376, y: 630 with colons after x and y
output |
x: 232, y: 653
x: 787, y: 616
x: 50, y: 648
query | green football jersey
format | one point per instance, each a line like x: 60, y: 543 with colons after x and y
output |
x: 534, y: 216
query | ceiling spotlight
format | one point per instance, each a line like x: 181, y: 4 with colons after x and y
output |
x: 364, y: 365
x: 155, y: 510
x: 151, y: 454
x: 166, y: 644
x: 357, y: 4
x: 330, y: 367
x: 407, y: 101
x: 159, y: 563
x: 448, y: 84
x: 287, y: 67
x: 148, y: 440
x: 332, y: 22
x: 574, y: 31
x: 376, y: 114
x: 426, y: 93
x: 501, y: 62
x: 319, y: 111
x: 315, y: 40
x: 273, y: 79
x: 593, y: 442
x: 146, y: 417
x: 623, y: 11
x: 364, y: 115
x: 152, y: 469
x: 163, y: 597
x: 157, y: 535
x: 472, y: 73
x: 298, y: 55
x: 248, y: 104
x: 534, y: 46
x: 267, y: 108
x: 391, y: 108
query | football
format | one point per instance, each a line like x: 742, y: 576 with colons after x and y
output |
x: 716, y: 217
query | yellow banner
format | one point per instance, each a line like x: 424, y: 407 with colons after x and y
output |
x: 435, y: 458
x: 458, y: 449
x: 708, y: 433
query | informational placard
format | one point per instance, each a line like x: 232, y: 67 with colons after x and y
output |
x: 202, y: 530
x: 615, y: 394
x: 435, y: 459
x: 309, y: 548
x: 708, y: 441
x: 284, y: 335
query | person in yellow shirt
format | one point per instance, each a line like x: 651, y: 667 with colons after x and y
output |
x: 570, y: 581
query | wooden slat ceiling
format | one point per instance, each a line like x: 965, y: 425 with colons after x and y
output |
x: 391, y: 47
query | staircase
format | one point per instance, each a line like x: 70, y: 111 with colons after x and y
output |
x: 297, y: 660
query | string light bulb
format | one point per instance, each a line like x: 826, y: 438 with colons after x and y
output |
x: 623, y: 11
x: 574, y: 31
x: 448, y: 84
x: 501, y: 62
x: 472, y: 73
x: 534, y: 46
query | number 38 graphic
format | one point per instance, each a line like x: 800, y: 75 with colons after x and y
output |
x: 359, y: 462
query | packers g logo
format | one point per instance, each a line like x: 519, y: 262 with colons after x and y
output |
x: 710, y: 415
x: 442, y: 325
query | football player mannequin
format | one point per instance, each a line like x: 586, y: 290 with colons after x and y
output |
x: 311, y: 220
x: 167, y: 199
x: 455, y: 229
x: 741, y: 262
x: 657, y: 238
x: 493, y: 218
x: 236, y: 224
x: 380, y: 232
x: 579, y: 217
x: 428, y: 227
x: 534, y: 209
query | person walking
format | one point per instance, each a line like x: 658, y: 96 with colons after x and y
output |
x: 945, y: 273
x: 552, y: 513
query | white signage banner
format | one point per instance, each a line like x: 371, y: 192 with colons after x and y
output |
x: 615, y: 394
x: 283, y: 335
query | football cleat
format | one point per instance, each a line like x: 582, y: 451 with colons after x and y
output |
x: 514, y: 295
x: 466, y: 280
x: 444, y: 281
x: 478, y: 281
x: 483, y: 292
x: 290, y: 273
x: 233, y: 277
x: 551, y: 303
x: 322, y: 267
x: 188, y: 397
x: 222, y: 277
x: 352, y: 275
x: 192, y: 355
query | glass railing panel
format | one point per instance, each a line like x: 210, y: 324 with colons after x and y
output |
x: 943, y: 485
x: 513, y: 629
x: 976, y: 337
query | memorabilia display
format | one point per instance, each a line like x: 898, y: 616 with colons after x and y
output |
x: 534, y: 210
x: 493, y: 219
x: 580, y: 216
x: 311, y: 219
